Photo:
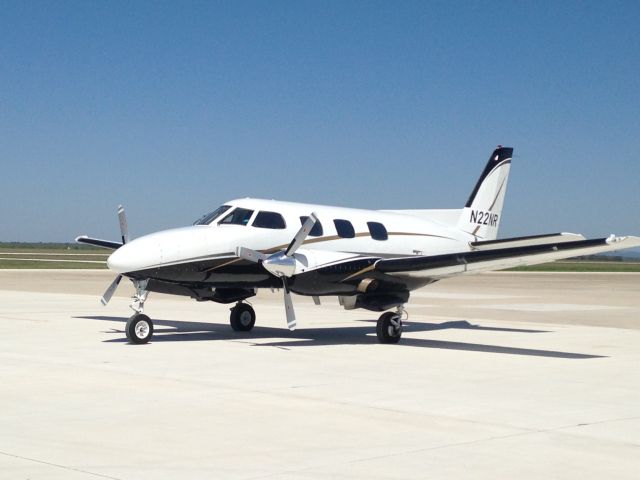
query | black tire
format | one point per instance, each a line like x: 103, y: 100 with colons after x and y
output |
x: 242, y: 317
x: 386, y: 330
x: 139, y: 329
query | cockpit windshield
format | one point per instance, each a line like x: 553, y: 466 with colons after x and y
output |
x: 210, y: 217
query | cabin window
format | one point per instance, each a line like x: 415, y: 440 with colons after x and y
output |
x: 377, y: 231
x: 316, y: 231
x: 269, y: 220
x: 210, y: 217
x: 240, y: 216
x: 344, y: 228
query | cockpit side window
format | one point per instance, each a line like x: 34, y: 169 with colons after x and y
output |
x: 240, y: 216
x: 210, y: 217
x: 269, y: 220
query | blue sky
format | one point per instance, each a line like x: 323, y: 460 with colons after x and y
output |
x: 171, y: 108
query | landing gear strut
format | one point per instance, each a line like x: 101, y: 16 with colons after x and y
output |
x: 389, y: 326
x: 139, y: 327
x: 242, y: 317
x: 138, y: 299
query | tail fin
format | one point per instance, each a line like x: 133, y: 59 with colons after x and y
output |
x: 481, y: 215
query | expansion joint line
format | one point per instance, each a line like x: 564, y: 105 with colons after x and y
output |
x: 64, y: 467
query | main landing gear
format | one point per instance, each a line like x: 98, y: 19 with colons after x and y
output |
x: 242, y: 317
x: 139, y: 327
x: 389, y: 326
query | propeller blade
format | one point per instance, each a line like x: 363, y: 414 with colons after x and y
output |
x: 301, y: 235
x: 288, y: 306
x: 96, y: 242
x: 124, y: 229
x: 251, y: 255
x: 111, y: 290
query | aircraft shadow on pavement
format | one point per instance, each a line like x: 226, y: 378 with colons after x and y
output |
x: 180, y: 331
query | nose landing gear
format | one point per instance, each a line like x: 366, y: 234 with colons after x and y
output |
x: 139, y: 328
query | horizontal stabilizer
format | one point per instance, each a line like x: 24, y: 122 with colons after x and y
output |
x: 526, y: 241
x: 96, y: 242
x: 442, y: 266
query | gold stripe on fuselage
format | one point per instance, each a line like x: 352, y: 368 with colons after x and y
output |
x: 329, y: 238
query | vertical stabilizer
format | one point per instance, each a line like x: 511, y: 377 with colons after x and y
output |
x: 482, y: 214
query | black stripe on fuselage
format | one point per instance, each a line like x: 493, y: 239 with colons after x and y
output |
x: 229, y: 270
x: 337, y: 278
x: 205, y: 272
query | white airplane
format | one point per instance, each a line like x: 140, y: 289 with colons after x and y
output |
x: 369, y: 259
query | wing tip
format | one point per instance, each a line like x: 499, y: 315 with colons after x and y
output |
x: 614, y: 240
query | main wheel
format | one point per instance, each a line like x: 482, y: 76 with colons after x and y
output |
x: 389, y: 328
x: 139, y: 328
x: 242, y: 317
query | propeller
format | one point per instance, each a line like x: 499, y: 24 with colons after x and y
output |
x: 282, y: 264
x: 110, y: 291
x: 124, y: 233
x: 124, y: 229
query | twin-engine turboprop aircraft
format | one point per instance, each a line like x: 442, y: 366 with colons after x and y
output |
x: 369, y: 259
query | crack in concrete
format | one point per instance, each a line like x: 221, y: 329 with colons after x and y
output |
x: 65, y: 467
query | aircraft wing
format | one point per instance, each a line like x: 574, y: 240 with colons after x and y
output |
x: 526, y: 241
x: 500, y: 256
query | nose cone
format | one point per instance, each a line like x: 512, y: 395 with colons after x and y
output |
x: 161, y: 248
x: 139, y: 254
x: 118, y: 260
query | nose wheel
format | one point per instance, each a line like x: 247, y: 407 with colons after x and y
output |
x: 389, y: 327
x: 139, y: 328
x: 242, y: 317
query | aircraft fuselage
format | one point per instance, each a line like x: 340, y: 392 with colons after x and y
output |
x: 203, y: 257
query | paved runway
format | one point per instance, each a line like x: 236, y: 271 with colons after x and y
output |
x: 508, y: 375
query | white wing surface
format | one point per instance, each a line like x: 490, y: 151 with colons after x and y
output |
x: 498, y: 258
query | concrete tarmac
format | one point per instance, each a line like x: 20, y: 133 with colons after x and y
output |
x: 506, y: 375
